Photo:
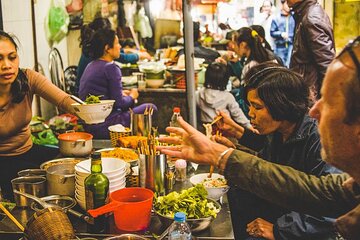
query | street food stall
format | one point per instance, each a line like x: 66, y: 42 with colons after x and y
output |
x: 219, y: 228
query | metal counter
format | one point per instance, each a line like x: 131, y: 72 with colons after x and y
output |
x: 220, y: 228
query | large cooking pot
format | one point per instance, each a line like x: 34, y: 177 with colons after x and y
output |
x: 57, y: 161
x: 35, y: 185
x: 131, y: 207
x: 61, y: 179
x: 75, y: 144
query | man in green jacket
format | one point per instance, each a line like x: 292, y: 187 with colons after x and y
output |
x: 335, y: 195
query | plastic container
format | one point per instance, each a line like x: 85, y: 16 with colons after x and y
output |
x: 131, y: 207
x: 180, y: 172
x: 179, y: 229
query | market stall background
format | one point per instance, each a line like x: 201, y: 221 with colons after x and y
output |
x: 19, y: 20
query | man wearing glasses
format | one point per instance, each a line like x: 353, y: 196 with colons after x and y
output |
x: 334, y: 195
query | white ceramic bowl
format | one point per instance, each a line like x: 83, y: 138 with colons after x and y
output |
x: 117, y: 187
x: 81, y: 202
x: 154, y: 83
x: 80, y: 186
x: 110, y: 167
x: 94, y: 113
x: 213, y: 192
x: 114, y: 178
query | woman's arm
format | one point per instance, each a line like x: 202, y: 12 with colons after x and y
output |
x: 43, y: 87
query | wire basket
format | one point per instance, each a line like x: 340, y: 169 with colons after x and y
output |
x: 49, y: 224
x: 114, y: 137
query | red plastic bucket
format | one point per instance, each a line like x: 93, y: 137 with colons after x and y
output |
x: 131, y: 207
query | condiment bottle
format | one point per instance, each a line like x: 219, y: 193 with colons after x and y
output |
x: 180, y: 166
x: 174, y: 117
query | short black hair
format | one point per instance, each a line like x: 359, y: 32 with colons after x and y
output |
x: 284, y: 92
x: 88, y: 30
x: 258, y: 52
x: 98, y: 41
x: 216, y: 76
x: 261, y: 31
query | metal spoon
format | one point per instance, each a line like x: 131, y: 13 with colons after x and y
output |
x: 76, y: 99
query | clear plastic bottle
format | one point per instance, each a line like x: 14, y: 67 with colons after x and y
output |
x: 174, y: 117
x: 179, y: 229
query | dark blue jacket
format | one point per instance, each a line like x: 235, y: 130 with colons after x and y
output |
x: 302, y: 152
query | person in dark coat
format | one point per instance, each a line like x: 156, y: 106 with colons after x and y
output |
x: 313, y: 47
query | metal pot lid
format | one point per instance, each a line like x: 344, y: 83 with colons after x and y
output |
x: 65, y: 202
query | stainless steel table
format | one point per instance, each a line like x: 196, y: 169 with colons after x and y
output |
x: 220, y: 228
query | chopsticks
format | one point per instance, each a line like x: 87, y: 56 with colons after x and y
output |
x: 219, y: 134
x: 211, y: 171
x: 12, y: 217
x: 216, y: 119
x: 148, y: 146
x: 149, y: 110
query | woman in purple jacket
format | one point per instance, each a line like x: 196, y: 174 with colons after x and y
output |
x: 102, y: 77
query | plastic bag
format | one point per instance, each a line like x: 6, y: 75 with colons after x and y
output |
x: 45, y: 137
x: 56, y: 22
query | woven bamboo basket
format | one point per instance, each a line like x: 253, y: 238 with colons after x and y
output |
x: 49, y: 224
x: 114, y: 136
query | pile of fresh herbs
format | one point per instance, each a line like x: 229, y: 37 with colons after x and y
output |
x: 91, y: 99
x: 192, y: 201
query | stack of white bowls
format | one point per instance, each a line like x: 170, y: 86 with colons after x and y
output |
x: 113, y: 168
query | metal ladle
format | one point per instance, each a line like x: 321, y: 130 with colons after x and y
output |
x: 44, y: 204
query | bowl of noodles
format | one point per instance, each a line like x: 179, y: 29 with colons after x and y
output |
x: 216, y: 186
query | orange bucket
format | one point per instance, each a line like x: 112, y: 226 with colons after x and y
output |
x: 131, y: 207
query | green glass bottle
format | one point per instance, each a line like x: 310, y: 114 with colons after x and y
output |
x: 96, y: 192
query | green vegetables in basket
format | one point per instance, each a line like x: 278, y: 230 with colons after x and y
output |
x: 91, y: 99
x: 192, y: 201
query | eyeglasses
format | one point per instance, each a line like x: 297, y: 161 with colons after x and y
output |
x: 349, y: 49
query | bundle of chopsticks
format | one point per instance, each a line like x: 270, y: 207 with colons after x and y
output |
x: 148, y: 147
x: 149, y: 110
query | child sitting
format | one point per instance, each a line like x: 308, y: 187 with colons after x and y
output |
x: 214, y: 97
